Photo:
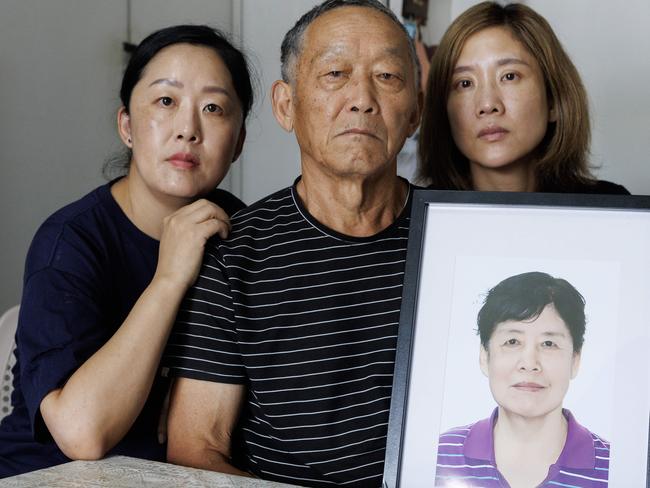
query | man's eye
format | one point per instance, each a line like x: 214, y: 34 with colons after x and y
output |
x: 548, y: 344
x: 213, y: 108
x: 387, y: 76
x: 335, y: 74
x: 511, y: 342
x: 166, y: 101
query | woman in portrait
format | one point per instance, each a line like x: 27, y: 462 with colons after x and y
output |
x: 505, y: 108
x: 532, y: 328
x: 105, y: 275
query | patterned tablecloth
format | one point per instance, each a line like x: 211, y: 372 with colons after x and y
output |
x: 127, y: 472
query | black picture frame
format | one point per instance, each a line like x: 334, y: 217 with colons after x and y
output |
x: 439, y: 220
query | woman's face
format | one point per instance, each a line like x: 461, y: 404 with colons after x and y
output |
x: 185, y: 124
x: 497, y: 106
x: 530, y: 364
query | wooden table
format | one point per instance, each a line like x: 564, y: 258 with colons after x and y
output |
x: 127, y: 472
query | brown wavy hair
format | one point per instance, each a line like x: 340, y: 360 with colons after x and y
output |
x: 562, y: 156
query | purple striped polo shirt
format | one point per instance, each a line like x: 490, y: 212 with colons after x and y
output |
x: 466, y: 458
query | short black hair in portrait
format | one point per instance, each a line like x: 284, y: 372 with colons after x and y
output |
x: 524, y: 296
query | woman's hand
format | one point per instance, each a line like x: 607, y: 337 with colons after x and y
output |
x: 185, y: 233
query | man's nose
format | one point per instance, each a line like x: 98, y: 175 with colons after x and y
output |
x: 488, y: 100
x: 362, y: 97
x: 188, y: 124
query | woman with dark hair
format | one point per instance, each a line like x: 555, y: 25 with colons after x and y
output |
x: 532, y: 328
x: 505, y: 108
x: 105, y: 275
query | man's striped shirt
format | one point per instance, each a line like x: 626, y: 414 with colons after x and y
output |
x: 307, y: 319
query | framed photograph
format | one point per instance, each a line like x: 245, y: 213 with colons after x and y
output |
x: 523, y: 352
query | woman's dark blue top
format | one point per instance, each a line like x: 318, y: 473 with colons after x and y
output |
x: 85, y: 269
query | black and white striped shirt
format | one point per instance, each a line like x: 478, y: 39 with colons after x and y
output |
x: 307, y: 319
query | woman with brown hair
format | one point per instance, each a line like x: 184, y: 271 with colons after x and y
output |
x: 505, y: 108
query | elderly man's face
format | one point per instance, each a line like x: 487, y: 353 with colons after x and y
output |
x: 354, y: 92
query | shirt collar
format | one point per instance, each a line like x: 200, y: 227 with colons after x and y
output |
x: 578, y: 451
x: 479, y: 443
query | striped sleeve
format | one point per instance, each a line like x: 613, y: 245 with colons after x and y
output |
x: 203, y: 341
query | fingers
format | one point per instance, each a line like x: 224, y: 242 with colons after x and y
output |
x: 201, y: 210
x: 215, y: 226
x: 211, y: 218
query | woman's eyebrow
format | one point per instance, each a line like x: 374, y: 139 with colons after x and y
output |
x: 216, y: 89
x: 554, y: 334
x: 509, y: 331
x: 462, y: 69
x: 167, y: 81
x: 504, y: 61
x: 178, y: 84
x: 500, y: 62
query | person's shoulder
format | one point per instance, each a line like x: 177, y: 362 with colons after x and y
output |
x: 600, y: 443
x: 268, y: 207
x: 604, y: 187
x: 258, y: 220
x: 599, y: 187
x: 226, y: 200
x: 455, y: 437
x: 75, y: 210
x: 77, y: 218
x: 460, y: 431
x: 582, y: 435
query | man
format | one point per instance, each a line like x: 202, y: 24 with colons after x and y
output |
x: 291, y: 327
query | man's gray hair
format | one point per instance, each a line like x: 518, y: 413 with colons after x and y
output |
x: 292, y: 42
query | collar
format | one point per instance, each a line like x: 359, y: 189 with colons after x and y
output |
x: 578, y: 451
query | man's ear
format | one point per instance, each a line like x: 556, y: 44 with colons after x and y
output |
x: 240, y: 143
x: 282, y: 102
x: 414, y: 120
x: 483, y: 359
x: 124, y: 126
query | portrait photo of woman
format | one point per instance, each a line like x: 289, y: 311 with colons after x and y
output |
x: 531, y: 328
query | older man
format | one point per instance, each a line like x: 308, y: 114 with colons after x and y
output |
x: 291, y: 326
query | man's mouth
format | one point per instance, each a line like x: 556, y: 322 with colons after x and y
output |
x: 358, y: 132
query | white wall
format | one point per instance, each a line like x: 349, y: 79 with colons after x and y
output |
x: 61, y: 65
x: 271, y: 158
x: 150, y: 15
